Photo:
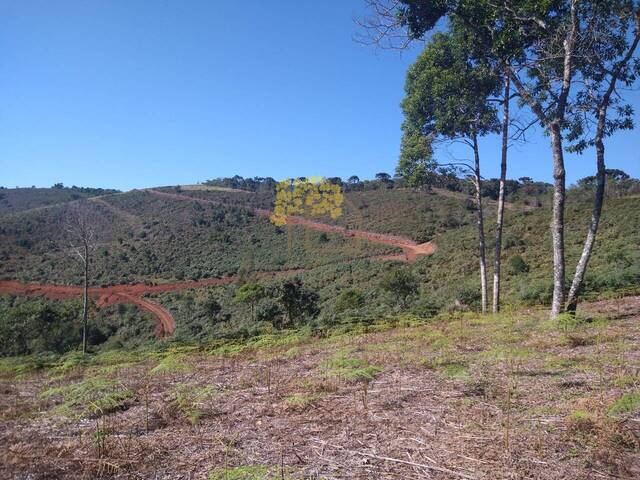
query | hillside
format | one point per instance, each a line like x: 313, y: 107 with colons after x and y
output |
x: 202, y: 250
x: 20, y: 199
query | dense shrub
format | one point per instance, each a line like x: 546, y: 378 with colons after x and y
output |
x: 536, y: 292
x: 517, y: 265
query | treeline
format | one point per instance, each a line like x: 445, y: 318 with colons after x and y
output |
x: 91, y: 191
x: 619, y: 182
x: 447, y: 179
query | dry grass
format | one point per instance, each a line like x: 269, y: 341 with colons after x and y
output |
x: 499, y: 397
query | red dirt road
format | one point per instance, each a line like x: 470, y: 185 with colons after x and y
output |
x: 132, y: 294
x: 411, y: 249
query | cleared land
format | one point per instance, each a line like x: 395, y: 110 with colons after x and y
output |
x: 464, y: 396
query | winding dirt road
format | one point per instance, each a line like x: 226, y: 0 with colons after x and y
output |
x: 165, y: 325
x: 411, y: 249
x: 131, y: 294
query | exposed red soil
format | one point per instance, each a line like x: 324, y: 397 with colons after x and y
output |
x: 411, y: 249
x: 132, y: 294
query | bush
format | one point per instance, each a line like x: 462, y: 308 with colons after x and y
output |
x: 517, y: 265
x: 535, y: 293
x: 349, y: 300
x: 401, y: 284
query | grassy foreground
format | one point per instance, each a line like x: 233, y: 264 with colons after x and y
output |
x: 462, y: 396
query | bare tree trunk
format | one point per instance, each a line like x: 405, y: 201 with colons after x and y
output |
x: 481, y: 243
x: 500, y: 215
x: 85, y: 299
x: 557, y: 223
x: 578, y: 278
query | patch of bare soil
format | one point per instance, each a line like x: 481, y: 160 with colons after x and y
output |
x: 127, y: 293
x: 467, y: 397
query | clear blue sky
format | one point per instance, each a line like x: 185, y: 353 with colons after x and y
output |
x: 131, y: 93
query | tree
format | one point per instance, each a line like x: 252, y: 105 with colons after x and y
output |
x: 609, y: 63
x: 349, y: 300
x: 211, y: 308
x: 447, y: 99
x: 353, y: 180
x: 497, y: 253
x: 251, y: 294
x: 550, y: 49
x: 401, y: 283
x: 417, y: 165
x: 296, y: 300
x: 81, y: 236
x: 384, y: 179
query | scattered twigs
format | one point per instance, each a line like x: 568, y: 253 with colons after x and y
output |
x: 434, y: 468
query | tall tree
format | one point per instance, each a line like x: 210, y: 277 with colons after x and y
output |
x: 545, y: 42
x: 297, y: 300
x: 497, y: 253
x: 447, y: 99
x: 81, y: 235
x: 251, y: 294
x: 610, y: 63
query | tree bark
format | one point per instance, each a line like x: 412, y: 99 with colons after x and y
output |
x: 481, y: 242
x: 557, y: 223
x: 85, y: 299
x: 581, y: 268
x: 501, y: 193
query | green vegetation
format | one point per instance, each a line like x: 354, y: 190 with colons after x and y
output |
x: 253, y: 472
x: 191, y: 401
x: 94, y: 396
x: 339, y: 290
x: 627, y: 403
x: 30, y: 326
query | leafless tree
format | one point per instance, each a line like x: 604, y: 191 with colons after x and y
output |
x: 81, y: 237
x: 381, y: 27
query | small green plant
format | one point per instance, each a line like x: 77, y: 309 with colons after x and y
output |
x: 353, y: 369
x: 302, y: 401
x: 624, y: 381
x: 249, y: 472
x: 627, y: 403
x: 190, y: 401
x: 171, y: 364
x: 454, y: 370
x: 94, y: 396
x: 348, y: 368
x: 580, y: 421
x: 517, y: 265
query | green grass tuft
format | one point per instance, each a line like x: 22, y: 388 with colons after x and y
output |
x: 627, y: 403
x: 91, y: 397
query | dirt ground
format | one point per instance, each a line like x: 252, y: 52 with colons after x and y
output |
x: 507, y: 397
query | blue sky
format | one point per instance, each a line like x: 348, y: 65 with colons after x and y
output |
x: 130, y: 93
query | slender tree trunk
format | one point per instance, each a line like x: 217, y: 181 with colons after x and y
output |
x: 500, y: 215
x: 85, y: 299
x: 601, y: 175
x: 557, y: 223
x: 481, y: 243
x: 581, y: 268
